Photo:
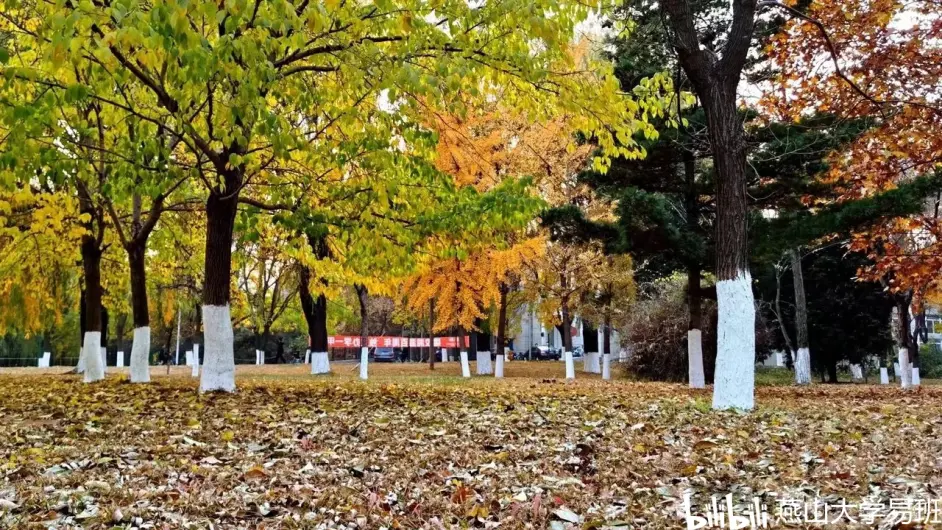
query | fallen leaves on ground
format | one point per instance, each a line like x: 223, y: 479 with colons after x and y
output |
x: 411, y: 451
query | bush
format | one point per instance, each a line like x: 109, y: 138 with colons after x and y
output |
x: 930, y: 361
x: 657, y: 332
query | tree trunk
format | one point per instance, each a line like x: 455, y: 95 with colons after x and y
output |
x: 463, y: 352
x: 567, y: 327
x: 219, y: 360
x: 91, y: 345
x: 832, y: 371
x: 803, y: 355
x: 607, y: 333
x: 695, y: 374
x: 140, y: 348
x: 315, y: 314
x: 363, y: 297
x: 734, y: 382
x: 502, y: 321
x: 899, y: 322
x: 431, y: 334
x: 501, y: 331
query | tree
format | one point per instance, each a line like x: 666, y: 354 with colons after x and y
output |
x: 607, y: 301
x: 40, y: 233
x: 267, y: 281
x: 847, y: 319
x: 882, y: 64
x: 715, y: 74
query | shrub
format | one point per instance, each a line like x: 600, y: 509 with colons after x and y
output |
x: 930, y: 361
x: 657, y: 332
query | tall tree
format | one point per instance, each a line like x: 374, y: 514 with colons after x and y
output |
x: 714, y: 73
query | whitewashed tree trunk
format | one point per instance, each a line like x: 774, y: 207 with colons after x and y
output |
x: 195, y: 372
x: 91, y: 353
x: 364, y: 363
x: 570, y: 365
x: 444, y: 354
x: 803, y: 366
x: 189, y: 357
x: 119, y: 359
x: 884, y: 376
x: 856, y: 373
x: 592, y: 363
x: 484, y: 363
x: 219, y: 357
x: 104, y: 358
x: 140, y: 355
x: 606, y: 366
x: 307, y: 358
x: 320, y: 362
x: 465, y: 366
x: 897, y: 372
x: 44, y: 360
x: 80, y: 367
x: 734, y: 386
x: 499, y: 366
x: 695, y: 374
x: 905, y: 370
x: 915, y: 379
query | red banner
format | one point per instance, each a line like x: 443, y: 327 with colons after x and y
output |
x: 450, y: 342
x: 350, y: 341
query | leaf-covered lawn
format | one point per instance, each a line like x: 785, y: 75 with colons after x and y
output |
x: 411, y: 451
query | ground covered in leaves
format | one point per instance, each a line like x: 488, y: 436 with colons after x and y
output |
x: 412, y: 450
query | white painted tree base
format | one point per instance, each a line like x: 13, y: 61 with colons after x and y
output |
x: 219, y: 356
x: 195, y: 367
x: 905, y: 370
x: 915, y: 379
x: 104, y: 358
x: 44, y: 360
x: 499, y: 366
x: 465, y: 365
x: 591, y: 363
x: 307, y: 356
x: 856, y: 373
x: 140, y: 355
x: 896, y: 371
x: 91, y: 352
x: 803, y: 366
x: 484, y: 365
x: 320, y: 362
x: 695, y: 375
x: 570, y: 365
x: 606, y: 366
x: 884, y: 376
x: 364, y: 363
x: 734, y: 385
x: 444, y: 355
x: 119, y: 359
x: 80, y: 367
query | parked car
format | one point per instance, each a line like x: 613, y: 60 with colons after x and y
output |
x: 543, y: 353
x: 578, y: 352
x: 384, y: 355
